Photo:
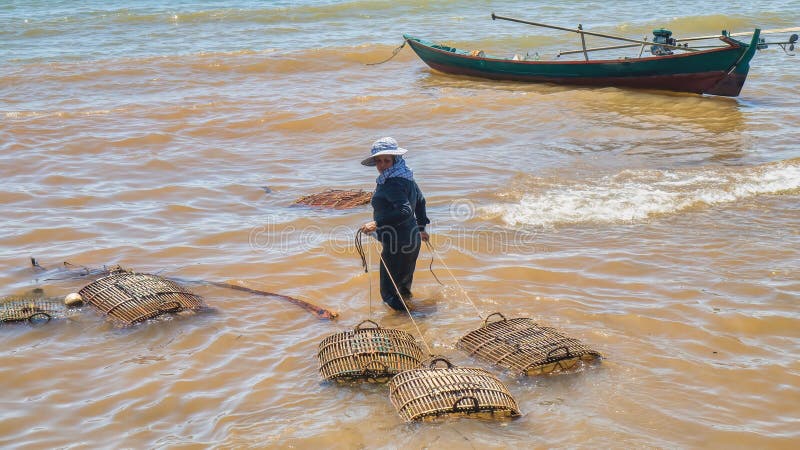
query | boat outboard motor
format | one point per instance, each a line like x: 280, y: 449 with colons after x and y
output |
x: 662, y: 36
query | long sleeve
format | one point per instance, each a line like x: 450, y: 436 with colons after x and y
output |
x: 396, y: 207
x: 420, y: 212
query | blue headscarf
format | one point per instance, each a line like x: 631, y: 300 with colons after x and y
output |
x: 398, y: 169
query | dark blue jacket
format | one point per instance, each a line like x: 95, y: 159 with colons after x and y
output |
x: 399, y: 211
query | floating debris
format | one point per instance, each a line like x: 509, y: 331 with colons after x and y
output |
x: 73, y: 300
x: 336, y: 199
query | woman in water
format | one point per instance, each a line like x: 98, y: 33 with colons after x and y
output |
x: 399, y: 218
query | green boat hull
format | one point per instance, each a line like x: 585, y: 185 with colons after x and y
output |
x: 720, y: 71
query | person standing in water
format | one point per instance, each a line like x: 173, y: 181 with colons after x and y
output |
x: 399, y: 218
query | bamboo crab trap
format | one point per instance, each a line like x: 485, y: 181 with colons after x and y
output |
x: 525, y: 347
x: 130, y: 297
x: 336, y: 199
x: 368, y: 354
x: 417, y: 392
x: 450, y: 391
x: 32, y: 310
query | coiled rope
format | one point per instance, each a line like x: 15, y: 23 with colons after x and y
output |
x: 365, y: 264
x: 430, y: 266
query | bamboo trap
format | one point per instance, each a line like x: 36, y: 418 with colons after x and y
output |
x: 367, y: 354
x: 450, y: 391
x: 526, y: 348
x: 32, y: 309
x: 129, y: 297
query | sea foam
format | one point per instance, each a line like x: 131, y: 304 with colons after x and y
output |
x: 631, y: 196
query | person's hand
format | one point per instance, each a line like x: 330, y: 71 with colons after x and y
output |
x: 424, y: 236
x: 369, y: 227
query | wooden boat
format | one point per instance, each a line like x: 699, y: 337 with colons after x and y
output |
x: 716, y: 71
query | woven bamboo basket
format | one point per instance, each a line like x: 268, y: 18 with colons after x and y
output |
x: 368, y: 354
x: 33, y: 310
x: 336, y: 199
x: 525, y: 347
x: 432, y: 392
x: 129, y: 297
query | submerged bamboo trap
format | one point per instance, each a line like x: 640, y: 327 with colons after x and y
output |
x: 336, y: 199
x: 451, y: 391
x: 525, y: 347
x: 368, y: 354
x: 33, y: 310
x: 130, y: 297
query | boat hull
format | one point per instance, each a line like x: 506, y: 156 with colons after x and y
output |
x: 718, y: 72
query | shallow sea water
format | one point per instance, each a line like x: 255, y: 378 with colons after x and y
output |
x: 660, y: 228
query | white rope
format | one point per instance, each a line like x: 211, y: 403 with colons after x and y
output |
x: 441, y: 260
x: 369, y: 279
x: 388, y: 272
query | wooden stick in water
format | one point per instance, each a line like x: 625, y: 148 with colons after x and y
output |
x: 319, y: 311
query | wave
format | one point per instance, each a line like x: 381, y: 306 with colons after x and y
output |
x: 632, y: 196
x: 241, y: 61
x: 265, y: 13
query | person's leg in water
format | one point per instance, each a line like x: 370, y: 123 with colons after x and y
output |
x: 405, y: 275
x: 402, y: 264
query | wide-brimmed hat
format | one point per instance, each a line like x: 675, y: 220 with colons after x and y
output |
x: 383, y: 146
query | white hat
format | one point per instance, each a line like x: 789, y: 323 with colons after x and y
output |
x: 383, y: 146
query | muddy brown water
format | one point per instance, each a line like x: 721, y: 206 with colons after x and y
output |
x: 662, y: 229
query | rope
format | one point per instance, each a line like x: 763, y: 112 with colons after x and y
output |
x: 456, y: 280
x: 370, y: 285
x: 405, y: 306
x: 365, y: 264
x: 430, y: 266
x: 360, y: 250
x: 394, y: 53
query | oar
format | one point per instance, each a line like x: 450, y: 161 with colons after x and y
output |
x: 718, y: 46
x: 583, y: 32
x: 746, y: 33
x: 614, y: 47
